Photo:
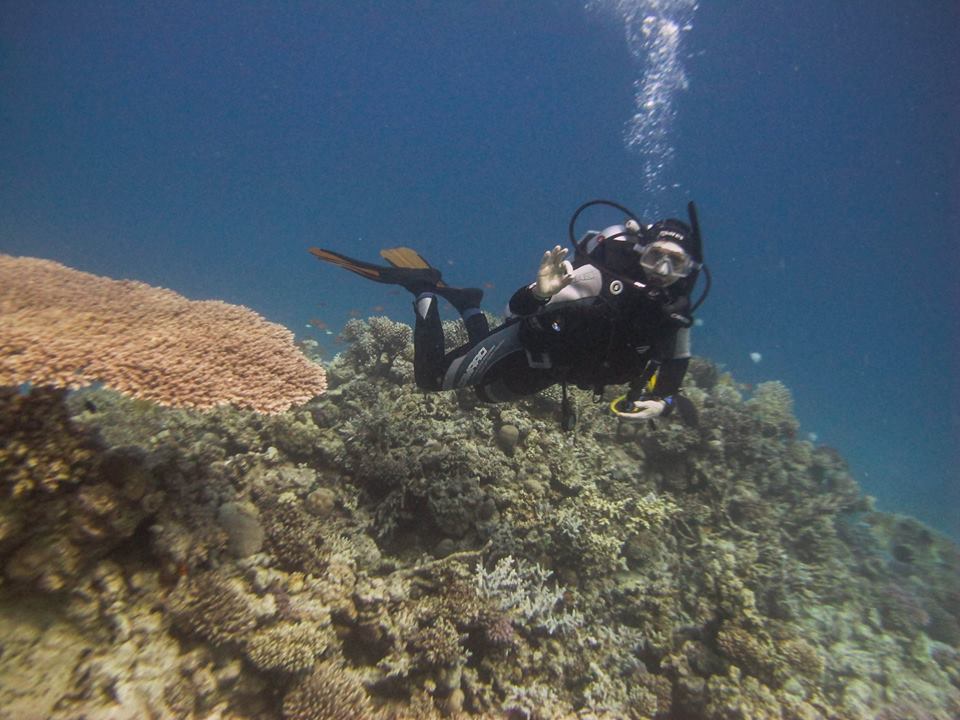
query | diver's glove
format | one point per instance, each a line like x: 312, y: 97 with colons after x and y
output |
x: 643, y: 409
x: 554, y: 275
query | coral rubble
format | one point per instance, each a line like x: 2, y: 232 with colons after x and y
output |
x: 385, y: 553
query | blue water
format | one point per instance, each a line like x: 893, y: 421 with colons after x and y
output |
x: 205, y: 146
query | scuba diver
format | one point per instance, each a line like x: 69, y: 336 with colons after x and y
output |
x: 619, y: 312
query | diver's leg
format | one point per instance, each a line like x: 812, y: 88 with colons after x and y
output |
x: 467, y: 303
x: 476, y: 323
x: 428, y: 360
x: 513, y: 378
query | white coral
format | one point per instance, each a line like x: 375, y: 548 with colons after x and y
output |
x: 520, y: 588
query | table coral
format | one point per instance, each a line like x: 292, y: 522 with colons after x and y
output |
x: 66, y: 328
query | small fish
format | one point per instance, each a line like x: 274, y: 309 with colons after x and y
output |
x: 756, y: 357
x: 377, y: 308
x: 317, y: 324
x: 354, y: 313
x: 488, y: 285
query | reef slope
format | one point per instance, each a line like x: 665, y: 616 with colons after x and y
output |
x: 384, y: 553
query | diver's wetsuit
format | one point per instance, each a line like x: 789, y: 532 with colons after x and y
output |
x: 596, y: 331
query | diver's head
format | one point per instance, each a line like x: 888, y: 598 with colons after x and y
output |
x: 664, y: 262
x: 666, y: 258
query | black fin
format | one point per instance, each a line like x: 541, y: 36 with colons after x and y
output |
x: 461, y: 298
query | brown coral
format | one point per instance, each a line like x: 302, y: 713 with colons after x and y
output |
x: 330, y: 692
x: 439, y: 643
x: 289, y: 647
x: 293, y: 535
x: 750, y: 651
x: 210, y: 607
x: 801, y: 658
x: 40, y: 449
x: 66, y: 328
x: 772, y: 404
x: 51, y: 536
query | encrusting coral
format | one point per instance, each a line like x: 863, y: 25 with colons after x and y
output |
x: 385, y: 553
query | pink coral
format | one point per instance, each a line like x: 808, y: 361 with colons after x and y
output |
x: 65, y: 328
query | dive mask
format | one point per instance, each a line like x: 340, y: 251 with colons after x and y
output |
x: 664, y: 262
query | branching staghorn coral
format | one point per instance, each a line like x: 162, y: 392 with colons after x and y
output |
x: 520, y: 589
x: 293, y: 535
x: 594, y: 527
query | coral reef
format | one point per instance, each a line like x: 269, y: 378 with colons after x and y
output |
x: 385, y: 553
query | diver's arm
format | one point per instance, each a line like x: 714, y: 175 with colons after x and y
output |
x: 524, y: 302
x: 584, y: 283
x: 670, y: 377
x: 674, y: 355
x: 670, y: 362
x: 554, y: 274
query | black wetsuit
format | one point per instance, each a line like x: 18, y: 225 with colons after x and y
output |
x: 597, y: 331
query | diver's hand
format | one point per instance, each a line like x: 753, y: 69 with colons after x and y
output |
x: 643, y: 410
x: 555, y: 273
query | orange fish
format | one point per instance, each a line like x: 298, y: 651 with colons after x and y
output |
x: 318, y: 324
x: 354, y: 313
x: 488, y: 285
x: 377, y: 308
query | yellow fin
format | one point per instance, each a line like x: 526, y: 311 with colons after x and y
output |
x: 404, y: 257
